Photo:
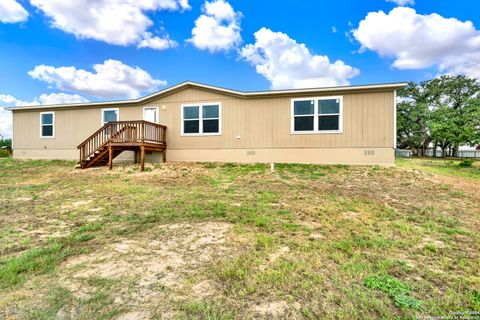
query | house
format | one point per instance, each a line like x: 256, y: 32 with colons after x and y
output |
x: 196, y: 122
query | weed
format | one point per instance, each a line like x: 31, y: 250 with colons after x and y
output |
x: 264, y: 241
x: 475, y: 297
x: 394, y: 288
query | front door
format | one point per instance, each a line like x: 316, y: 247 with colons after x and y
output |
x: 150, y: 114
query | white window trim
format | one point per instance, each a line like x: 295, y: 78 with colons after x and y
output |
x: 157, y: 120
x: 53, y: 125
x: 200, y: 119
x: 316, y: 115
x: 110, y: 109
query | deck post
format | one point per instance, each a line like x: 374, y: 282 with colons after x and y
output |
x: 142, y: 158
x: 110, y: 158
x: 135, y: 156
x: 164, y: 155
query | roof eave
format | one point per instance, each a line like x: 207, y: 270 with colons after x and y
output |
x: 217, y: 89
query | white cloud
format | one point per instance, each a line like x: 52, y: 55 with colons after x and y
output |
x: 120, y: 22
x: 218, y: 28
x: 156, y: 43
x: 110, y: 79
x: 288, y: 64
x: 418, y: 41
x: 11, y: 11
x: 403, y: 2
x: 59, y: 98
x: 7, y: 100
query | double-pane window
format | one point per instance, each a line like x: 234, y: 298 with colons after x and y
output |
x: 201, y: 119
x: 317, y: 115
x: 47, y: 123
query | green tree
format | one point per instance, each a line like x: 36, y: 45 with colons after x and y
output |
x: 455, y: 108
x: 445, y: 111
x: 412, y: 117
x: 5, y: 142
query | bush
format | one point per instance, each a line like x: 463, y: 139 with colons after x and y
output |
x: 466, y: 163
x: 4, y: 153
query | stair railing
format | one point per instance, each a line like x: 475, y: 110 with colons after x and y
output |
x: 122, y: 133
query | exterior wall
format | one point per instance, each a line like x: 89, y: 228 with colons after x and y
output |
x: 253, y: 130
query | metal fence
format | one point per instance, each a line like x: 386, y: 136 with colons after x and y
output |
x: 429, y: 153
x: 403, y: 153
x: 469, y: 154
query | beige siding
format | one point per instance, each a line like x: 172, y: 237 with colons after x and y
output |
x: 261, y: 123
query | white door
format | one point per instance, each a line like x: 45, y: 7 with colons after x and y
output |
x: 150, y: 114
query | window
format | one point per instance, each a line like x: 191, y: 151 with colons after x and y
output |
x: 201, y: 119
x: 109, y: 115
x: 150, y: 114
x: 47, y: 123
x: 317, y: 115
x: 304, y: 112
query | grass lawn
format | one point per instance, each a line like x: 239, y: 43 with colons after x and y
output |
x: 223, y: 241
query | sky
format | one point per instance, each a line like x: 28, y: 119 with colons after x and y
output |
x: 59, y: 51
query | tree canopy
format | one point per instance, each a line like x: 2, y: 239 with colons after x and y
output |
x: 444, y: 111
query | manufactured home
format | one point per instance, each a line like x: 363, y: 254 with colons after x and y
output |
x: 197, y: 122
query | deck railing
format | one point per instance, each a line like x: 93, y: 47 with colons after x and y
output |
x: 122, y: 133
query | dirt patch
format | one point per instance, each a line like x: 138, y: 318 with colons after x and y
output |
x: 279, y: 253
x: 79, y: 203
x: 155, y: 263
x: 135, y: 315
x: 316, y: 236
x: 274, y: 256
x: 277, y: 310
x: 204, y: 289
x: 431, y: 241
x: 24, y: 199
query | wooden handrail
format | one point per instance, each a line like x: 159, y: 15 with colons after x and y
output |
x: 122, y: 132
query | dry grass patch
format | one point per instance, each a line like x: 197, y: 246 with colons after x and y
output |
x: 225, y: 241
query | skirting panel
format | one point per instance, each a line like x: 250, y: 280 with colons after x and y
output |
x: 358, y: 156
x: 381, y: 156
x: 69, y: 154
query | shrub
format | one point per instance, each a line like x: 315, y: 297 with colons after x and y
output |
x: 466, y: 163
x: 4, y: 153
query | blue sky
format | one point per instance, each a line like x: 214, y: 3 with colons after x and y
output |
x: 54, y: 51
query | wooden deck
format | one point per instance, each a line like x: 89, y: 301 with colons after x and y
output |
x: 115, y: 137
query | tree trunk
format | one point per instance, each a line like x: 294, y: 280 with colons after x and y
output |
x: 435, y: 146
x: 455, y: 150
x: 444, y: 152
x: 425, y: 147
